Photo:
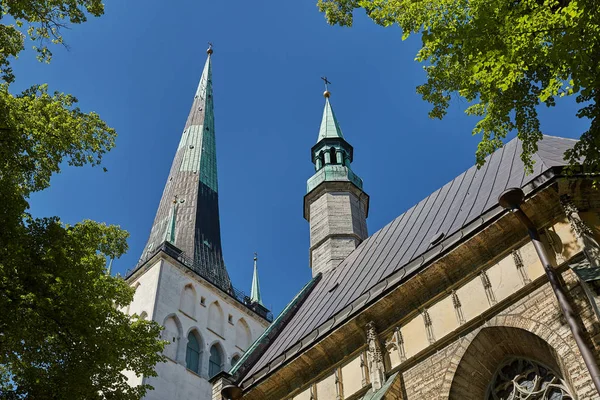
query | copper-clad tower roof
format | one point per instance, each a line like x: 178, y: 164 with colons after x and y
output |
x: 188, y: 213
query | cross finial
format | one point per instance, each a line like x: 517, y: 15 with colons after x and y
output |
x: 326, y: 94
x: 255, y: 256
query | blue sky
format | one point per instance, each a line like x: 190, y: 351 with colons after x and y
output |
x: 138, y: 67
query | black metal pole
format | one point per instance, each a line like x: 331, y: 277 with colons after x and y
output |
x: 511, y: 199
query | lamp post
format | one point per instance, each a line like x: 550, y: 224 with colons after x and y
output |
x: 511, y: 199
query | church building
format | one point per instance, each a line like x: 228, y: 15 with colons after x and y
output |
x: 181, y: 280
x: 489, y: 288
x: 486, y: 289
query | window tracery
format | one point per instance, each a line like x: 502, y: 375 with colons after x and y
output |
x: 520, y: 379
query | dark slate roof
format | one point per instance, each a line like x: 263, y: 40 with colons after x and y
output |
x: 406, y: 242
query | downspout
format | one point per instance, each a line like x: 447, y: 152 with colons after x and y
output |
x: 511, y: 199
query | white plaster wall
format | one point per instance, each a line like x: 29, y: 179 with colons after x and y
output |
x: 174, y: 380
x: 143, y: 302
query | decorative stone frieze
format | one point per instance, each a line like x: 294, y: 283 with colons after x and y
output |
x: 487, y: 285
x: 579, y: 227
x: 584, y: 233
x: 397, y: 343
x: 428, y: 326
x: 374, y: 358
x: 339, y: 390
x: 460, y: 317
x: 364, y: 371
x: 518, y: 259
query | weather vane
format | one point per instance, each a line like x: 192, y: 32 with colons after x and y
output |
x: 210, y: 48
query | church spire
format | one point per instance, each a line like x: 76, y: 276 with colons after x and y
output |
x: 255, y: 296
x: 335, y: 204
x: 191, y: 221
x: 330, y: 128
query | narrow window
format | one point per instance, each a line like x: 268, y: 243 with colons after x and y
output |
x: 332, y: 155
x: 192, y: 354
x: 230, y: 319
x: 215, y: 362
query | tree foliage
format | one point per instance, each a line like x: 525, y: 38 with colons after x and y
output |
x: 505, y: 58
x: 62, y: 332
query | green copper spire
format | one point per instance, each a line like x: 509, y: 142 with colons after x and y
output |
x: 332, y: 155
x: 188, y: 212
x: 330, y: 128
x: 255, y: 292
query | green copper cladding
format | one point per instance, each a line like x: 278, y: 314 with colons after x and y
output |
x: 188, y: 213
x: 198, y: 140
x: 255, y: 291
x: 332, y: 154
x: 330, y: 128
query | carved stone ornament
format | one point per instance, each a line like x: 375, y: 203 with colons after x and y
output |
x: 374, y: 358
x: 518, y: 260
x: 572, y: 213
x: 397, y: 343
x: 428, y: 326
x: 521, y: 379
x: 487, y: 285
x: 460, y: 317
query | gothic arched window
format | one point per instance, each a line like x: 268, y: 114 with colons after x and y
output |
x: 332, y: 155
x: 192, y: 353
x: 519, y: 379
x: 215, y: 362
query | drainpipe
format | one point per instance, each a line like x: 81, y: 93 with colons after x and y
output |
x: 232, y: 392
x: 511, y: 199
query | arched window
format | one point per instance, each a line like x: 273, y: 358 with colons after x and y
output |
x: 332, y: 155
x: 171, y: 333
x: 242, y: 334
x: 235, y: 359
x: 215, y: 362
x: 192, y: 353
x: 144, y: 315
x: 188, y: 300
x: 215, y: 318
x: 322, y: 158
x: 519, y: 378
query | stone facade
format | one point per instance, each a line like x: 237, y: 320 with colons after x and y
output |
x: 172, y: 295
x: 338, y: 224
x: 445, y: 331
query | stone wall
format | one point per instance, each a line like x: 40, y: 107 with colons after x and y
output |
x: 338, y: 224
x: 536, y: 329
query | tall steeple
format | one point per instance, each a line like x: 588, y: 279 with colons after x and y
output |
x: 335, y: 205
x: 255, y: 296
x: 188, y: 213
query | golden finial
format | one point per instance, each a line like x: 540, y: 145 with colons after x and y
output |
x: 209, y: 51
x: 326, y: 93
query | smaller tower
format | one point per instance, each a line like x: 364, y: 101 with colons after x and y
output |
x: 255, y: 296
x: 335, y: 204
